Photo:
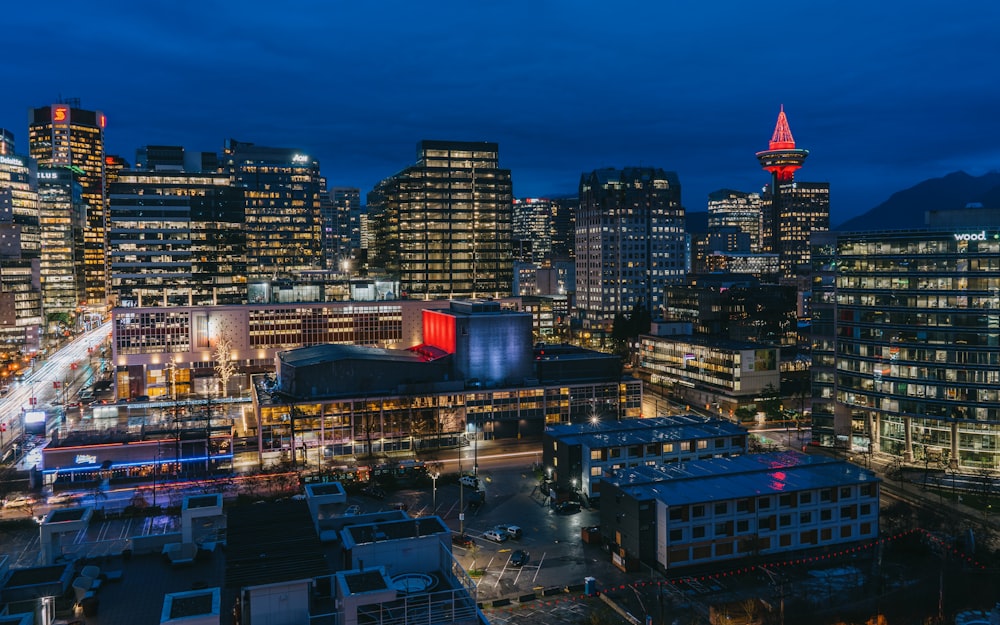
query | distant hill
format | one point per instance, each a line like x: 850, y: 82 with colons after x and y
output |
x: 905, y: 209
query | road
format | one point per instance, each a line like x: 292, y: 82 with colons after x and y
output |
x: 39, y: 385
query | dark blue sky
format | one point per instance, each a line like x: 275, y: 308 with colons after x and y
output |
x: 883, y: 94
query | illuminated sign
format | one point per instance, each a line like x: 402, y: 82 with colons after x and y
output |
x: 10, y: 160
x: 981, y: 236
x: 85, y: 459
x: 34, y: 416
x: 60, y: 113
x: 48, y: 175
x: 103, y: 121
x: 300, y: 158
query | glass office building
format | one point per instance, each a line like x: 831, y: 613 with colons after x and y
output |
x: 906, y: 341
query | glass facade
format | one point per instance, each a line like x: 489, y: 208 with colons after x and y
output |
x: 176, y: 239
x: 62, y: 135
x: 62, y: 218
x: 906, y: 331
x: 445, y: 223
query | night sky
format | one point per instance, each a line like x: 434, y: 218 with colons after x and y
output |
x: 883, y: 94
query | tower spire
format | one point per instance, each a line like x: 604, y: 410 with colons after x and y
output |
x: 782, y: 158
x: 782, y: 138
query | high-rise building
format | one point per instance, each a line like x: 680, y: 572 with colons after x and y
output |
x: 630, y: 241
x: 533, y: 225
x: 281, y: 188
x: 341, y: 228
x: 62, y: 216
x: 64, y: 135
x: 20, y: 248
x: 792, y: 210
x: 906, y: 341
x: 444, y: 224
x: 177, y: 239
x: 728, y: 208
x: 175, y: 158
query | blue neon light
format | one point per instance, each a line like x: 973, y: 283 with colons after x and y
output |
x: 94, y: 467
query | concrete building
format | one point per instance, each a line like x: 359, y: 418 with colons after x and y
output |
x: 713, y: 511
x: 583, y: 455
x: 720, y: 374
x: 630, y: 242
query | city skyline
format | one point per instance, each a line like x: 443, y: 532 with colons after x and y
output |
x: 882, y: 96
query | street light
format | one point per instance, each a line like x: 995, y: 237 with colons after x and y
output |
x: 434, y: 474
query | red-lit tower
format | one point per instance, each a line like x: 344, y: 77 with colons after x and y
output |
x: 791, y: 211
x: 782, y: 158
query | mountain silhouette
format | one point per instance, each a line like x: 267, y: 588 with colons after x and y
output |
x: 906, y: 209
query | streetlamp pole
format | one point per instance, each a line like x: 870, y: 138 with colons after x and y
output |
x: 434, y: 489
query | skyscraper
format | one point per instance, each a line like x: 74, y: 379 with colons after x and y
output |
x: 341, y: 227
x: 177, y: 239
x: 444, y: 224
x: 64, y: 135
x: 792, y: 210
x: 630, y: 241
x: 728, y: 208
x: 62, y: 216
x: 20, y: 248
x: 281, y: 188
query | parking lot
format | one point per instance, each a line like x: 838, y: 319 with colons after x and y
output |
x: 557, y: 556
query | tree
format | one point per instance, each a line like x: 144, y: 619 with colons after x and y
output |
x: 225, y: 368
x: 771, y: 402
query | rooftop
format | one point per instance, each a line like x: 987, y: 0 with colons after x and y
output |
x: 719, y: 479
x: 639, y: 431
x: 272, y: 542
x: 318, y: 354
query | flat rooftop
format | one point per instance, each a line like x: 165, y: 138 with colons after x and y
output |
x: 395, y: 530
x: 610, y: 433
x: 720, y: 479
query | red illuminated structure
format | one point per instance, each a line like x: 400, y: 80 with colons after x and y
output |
x: 782, y: 158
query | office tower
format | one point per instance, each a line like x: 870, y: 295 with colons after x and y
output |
x: 176, y: 239
x: 737, y: 209
x: 281, y: 190
x: 533, y: 228
x: 341, y: 228
x: 630, y: 241
x: 62, y: 215
x: 64, y: 135
x: 113, y: 165
x: 564, y: 227
x: 20, y: 247
x: 792, y: 210
x: 906, y: 341
x: 444, y: 224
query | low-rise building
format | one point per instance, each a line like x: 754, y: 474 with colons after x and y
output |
x: 584, y: 454
x: 711, y: 511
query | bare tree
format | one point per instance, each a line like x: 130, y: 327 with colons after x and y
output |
x: 225, y: 368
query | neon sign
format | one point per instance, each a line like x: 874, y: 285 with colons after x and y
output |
x: 60, y: 114
x: 981, y: 236
x: 85, y: 459
x: 300, y: 158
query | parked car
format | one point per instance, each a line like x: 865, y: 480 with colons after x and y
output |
x: 568, y: 507
x: 495, y: 536
x: 470, y: 481
x: 352, y: 510
x: 462, y: 540
x: 400, y: 505
x: 513, y: 531
x: 373, y: 490
x: 519, y: 558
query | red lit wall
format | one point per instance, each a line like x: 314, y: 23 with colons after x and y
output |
x: 439, y: 330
